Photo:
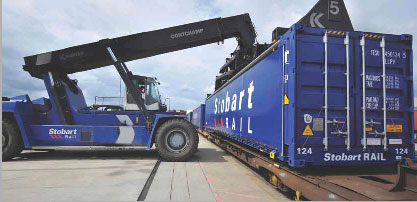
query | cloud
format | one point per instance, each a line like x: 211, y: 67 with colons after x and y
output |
x: 32, y: 27
x: 186, y: 88
x: 209, y: 89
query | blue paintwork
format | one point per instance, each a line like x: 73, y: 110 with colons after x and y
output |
x: 38, y: 128
x: 21, y: 107
x: 162, y: 118
x: 257, y: 121
x: 198, y: 116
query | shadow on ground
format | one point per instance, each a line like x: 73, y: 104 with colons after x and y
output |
x: 86, y: 155
x: 208, y: 155
x: 202, y: 155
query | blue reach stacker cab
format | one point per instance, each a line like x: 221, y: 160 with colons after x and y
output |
x: 64, y: 119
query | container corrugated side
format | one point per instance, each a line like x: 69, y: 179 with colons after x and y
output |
x: 285, y: 94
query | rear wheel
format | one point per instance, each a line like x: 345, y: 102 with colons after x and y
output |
x: 176, y: 140
x: 12, y: 143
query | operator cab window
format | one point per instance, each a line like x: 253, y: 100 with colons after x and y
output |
x: 152, y: 94
x: 140, y: 85
x: 148, y: 89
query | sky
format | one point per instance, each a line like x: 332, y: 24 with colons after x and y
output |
x: 35, y: 26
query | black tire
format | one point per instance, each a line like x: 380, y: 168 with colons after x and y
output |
x: 12, y: 143
x: 198, y: 141
x: 176, y: 140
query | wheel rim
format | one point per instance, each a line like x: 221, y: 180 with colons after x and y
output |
x: 176, y: 140
x: 4, y: 140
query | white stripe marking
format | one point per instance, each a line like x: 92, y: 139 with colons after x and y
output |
x: 124, y: 119
x: 126, y: 136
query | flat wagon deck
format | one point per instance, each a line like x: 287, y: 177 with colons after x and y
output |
x: 332, y: 183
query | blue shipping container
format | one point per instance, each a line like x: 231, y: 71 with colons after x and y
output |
x: 190, y: 116
x: 302, y: 102
x: 198, y: 116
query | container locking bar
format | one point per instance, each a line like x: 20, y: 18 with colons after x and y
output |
x: 364, y: 140
x: 384, y: 93
x: 347, y: 93
x: 326, y: 143
x: 282, y: 100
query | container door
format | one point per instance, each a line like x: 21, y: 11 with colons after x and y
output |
x: 324, y: 86
x: 387, y: 118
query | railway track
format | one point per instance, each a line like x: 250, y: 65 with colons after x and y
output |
x: 339, y: 184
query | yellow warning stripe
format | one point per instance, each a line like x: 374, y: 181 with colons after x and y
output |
x: 375, y: 36
x: 336, y: 32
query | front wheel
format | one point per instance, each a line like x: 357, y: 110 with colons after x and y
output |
x: 176, y: 140
x: 12, y: 143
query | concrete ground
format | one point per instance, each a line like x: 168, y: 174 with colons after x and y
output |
x: 81, y: 175
x: 210, y: 175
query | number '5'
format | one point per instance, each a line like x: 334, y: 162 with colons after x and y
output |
x: 334, y: 7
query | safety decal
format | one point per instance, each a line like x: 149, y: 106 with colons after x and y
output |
x: 307, y: 131
x: 394, y: 128
x: 286, y: 100
x: 368, y: 129
x: 318, y: 124
x: 308, y: 118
